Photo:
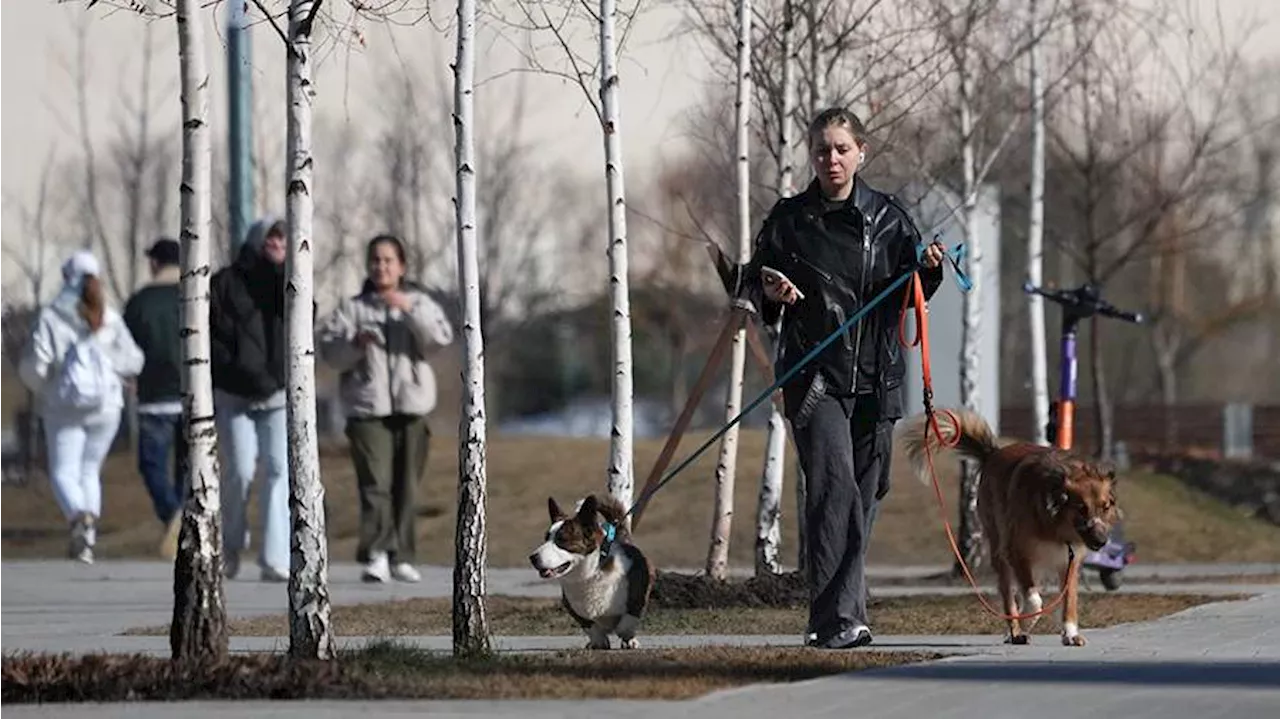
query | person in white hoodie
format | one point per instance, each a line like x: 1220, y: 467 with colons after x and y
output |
x: 75, y: 362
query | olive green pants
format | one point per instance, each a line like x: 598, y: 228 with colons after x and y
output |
x: 390, y: 455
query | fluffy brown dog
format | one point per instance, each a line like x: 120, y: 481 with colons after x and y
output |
x: 1038, y: 505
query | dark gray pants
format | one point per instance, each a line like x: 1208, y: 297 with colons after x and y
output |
x: 845, y: 457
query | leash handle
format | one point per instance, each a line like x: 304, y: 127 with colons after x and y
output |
x: 956, y: 256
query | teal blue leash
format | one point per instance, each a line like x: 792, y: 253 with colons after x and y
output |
x: 956, y: 257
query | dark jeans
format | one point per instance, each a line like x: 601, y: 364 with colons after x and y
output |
x: 160, y: 444
x: 845, y: 457
x: 390, y: 454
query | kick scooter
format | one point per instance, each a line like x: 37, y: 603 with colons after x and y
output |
x: 1078, y: 304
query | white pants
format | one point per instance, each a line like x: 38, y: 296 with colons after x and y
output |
x: 77, y: 449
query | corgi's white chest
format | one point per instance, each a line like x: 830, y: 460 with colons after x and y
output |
x: 602, y: 594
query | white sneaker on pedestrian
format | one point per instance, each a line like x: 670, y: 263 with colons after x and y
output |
x: 404, y: 572
x: 83, y: 536
x: 376, y: 569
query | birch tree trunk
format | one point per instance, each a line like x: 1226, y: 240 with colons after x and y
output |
x: 970, y: 531
x: 470, y: 625
x: 769, y: 512
x: 1035, y: 239
x: 198, y: 631
x: 722, y: 520
x: 621, y: 437
x: 817, y: 74
x: 310, y: 630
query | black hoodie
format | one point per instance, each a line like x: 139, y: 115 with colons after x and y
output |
x: 247, y: 342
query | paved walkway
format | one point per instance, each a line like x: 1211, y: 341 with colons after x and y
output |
x: 1216, y: 660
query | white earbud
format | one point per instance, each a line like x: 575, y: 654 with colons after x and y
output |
x: 862, y: 157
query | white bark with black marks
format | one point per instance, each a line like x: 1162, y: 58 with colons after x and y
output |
x: 621, y: 437
x: 970, y: 531
x: 1035, y: 238
x: 726, y: 467
x: 310, y: 626
x: 470, y: 625
x: 769, y: 506
x: 198, y: 631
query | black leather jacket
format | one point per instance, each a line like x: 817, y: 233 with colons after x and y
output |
x: 839, y: 255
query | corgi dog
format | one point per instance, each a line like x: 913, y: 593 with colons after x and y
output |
x: 604, y: 579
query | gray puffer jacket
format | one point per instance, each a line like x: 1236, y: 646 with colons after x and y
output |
x: 390, y: 376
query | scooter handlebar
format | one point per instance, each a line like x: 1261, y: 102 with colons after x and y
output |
x: 1111, y: 311
x: 1082, y: 299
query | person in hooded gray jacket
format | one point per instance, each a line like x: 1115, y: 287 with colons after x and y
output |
x: 379, y: 341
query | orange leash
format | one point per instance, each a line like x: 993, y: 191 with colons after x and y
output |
x: 921, y: 339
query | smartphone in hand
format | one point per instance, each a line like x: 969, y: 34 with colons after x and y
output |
x: 775, y: 277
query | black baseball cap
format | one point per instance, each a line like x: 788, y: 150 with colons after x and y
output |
x: 164, y: 251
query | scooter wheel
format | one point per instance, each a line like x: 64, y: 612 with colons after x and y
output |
x: 1110, y: 579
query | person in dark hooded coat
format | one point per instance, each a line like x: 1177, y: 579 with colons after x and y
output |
x: 247, y: 350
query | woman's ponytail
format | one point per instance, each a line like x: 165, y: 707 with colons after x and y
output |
x: 93, y: 303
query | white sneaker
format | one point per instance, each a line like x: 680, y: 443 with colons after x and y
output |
x: 377, y: 569
x: 404, y: 572
x: 271, y: 574
x: 85, y: 555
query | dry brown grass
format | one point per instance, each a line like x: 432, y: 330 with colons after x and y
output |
x: 512, y: 616
x: 1169, y: 522
x: 391, y: 671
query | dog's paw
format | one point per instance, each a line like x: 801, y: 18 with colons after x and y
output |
x: 630, y: 643
x: 1071, y: 635
x: 597, y: 639
x: 1018, y: 639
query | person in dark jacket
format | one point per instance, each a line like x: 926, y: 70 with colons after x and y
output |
x: 247, y: 350
x: 153, y: 315
x: 828, y: 250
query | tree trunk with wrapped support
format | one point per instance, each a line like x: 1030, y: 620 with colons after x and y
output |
x: 722, y: 519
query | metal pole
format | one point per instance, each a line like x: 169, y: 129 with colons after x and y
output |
x: 240, y: 197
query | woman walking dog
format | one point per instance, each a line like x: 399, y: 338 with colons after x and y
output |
x: 825, y: 252
x: 379, y: 340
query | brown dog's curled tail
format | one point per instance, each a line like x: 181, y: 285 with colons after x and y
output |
x: 976, y: 442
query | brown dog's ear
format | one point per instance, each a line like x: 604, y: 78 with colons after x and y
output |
x: 1056, y: 470
x: 554, y: 510
x: 1055, y: 500
x: 587, y: 512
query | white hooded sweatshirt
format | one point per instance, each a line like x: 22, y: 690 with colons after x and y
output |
x: 59, y: 327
